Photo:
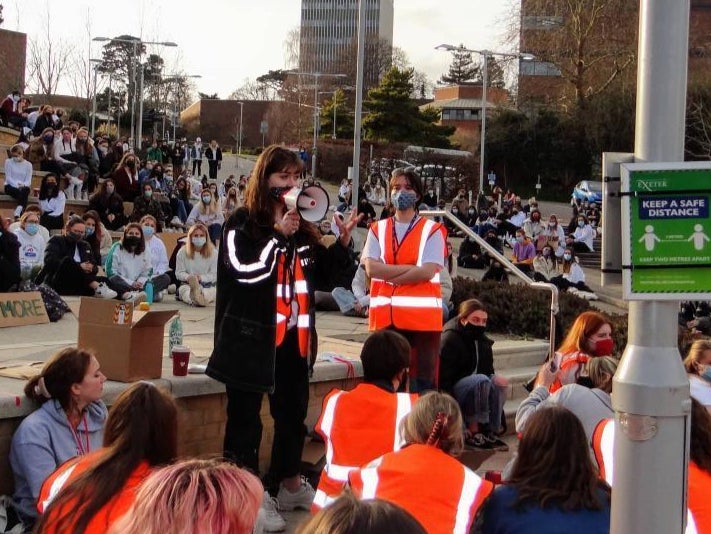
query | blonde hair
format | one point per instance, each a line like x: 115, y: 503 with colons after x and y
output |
x: 213, y: 207
x: 696, y: 352
x: 435, y: 420
x: 601, y: 370
x: 207, y: 249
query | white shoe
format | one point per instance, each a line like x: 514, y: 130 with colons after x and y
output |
x: 105, y: 292
x: 303, y: 498
x: 175, y: 221
x: 134, y: 296
x: 18, y: 211
x: 158, y: 296
x: 172, y: 288
x: 268, y: 517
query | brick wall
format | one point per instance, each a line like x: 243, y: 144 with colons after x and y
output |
x: 13, y: 46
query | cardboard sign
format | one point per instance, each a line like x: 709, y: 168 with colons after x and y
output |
x: 19, y: 309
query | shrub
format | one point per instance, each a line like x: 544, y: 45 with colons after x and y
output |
x: 525, y: 311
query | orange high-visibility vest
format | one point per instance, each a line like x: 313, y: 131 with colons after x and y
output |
x: 288, y: 280
x: 698, y: 514
x: 441, y: 493
x: 566, y: 363
x: 357, y: 427
x: 410, y: 306
x: 109, y: 513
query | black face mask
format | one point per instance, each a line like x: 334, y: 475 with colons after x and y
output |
x: 131, y: 241
x: 277, y: 192
x: 131, y: 164
x: 73, y: 237
x: 474, y: 330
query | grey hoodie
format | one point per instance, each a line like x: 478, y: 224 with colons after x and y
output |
x: 43, y: 442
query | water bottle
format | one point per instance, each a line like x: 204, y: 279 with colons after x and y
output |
x: 175, y: 334
x: 148, y: 287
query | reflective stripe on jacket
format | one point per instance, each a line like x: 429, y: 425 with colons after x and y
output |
x: 409, y: 306
x: 357, y: 427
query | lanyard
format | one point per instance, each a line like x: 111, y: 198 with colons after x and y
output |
x: 81, y: 448
x: 396, y: 244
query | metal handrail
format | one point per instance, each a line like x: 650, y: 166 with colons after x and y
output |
x: 554, y: 307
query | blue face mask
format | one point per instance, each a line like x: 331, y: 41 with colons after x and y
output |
x: 567, y: 257
x: 32, y: 228
x: 706, y: 373
x: 198, y: 242
x: 403, y: 199
x: 581, y: 223
x: 519, y: 238
x: 89, y: 231
x: 147, y: 231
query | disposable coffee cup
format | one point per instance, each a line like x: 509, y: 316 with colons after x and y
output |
x: 181, y: 358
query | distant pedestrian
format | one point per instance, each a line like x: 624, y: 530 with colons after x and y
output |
x: 196, y: 154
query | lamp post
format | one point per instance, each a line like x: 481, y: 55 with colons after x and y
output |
x: 135, y: 42
x: 485, y: 54
x: 96, y: 63
x: 239, y: 133
x: 316, y: 76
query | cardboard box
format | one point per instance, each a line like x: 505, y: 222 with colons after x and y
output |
x: 24, y: 308
x: 127, y: 342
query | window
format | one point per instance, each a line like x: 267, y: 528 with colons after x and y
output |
x: 538, y: 22
x: 460, y: 114
x: 537, y: 68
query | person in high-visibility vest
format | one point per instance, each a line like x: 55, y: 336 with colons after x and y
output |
x: 590, y: 336
x: 698, y: 518
x: 424, y: 477
x: 554, y: 486
x: 89, y: 493
x: 361, y: 425
x: 403, y: 255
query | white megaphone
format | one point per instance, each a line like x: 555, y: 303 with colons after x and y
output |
x: 311, y: 202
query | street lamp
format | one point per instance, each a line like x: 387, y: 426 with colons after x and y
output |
x: 96, y: 63
x: 484, y: 80
x: 135, y: 42
x: 316, y: 76
x: 239, y: 134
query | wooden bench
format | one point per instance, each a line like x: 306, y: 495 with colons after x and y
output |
x: 7, y: 206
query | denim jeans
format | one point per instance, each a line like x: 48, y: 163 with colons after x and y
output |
x: 481, y: 400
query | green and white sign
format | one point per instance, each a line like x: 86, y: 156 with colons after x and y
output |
x: 666, y: 231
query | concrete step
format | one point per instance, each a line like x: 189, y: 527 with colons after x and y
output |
x: 519, y: 353
x: 510, y: 408
x: 517, y: 377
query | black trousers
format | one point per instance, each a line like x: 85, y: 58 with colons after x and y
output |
x: 21, y: 194
x: 70, y: 279
x: 287, y: 405
x: 212, y: 168
x: 197, y: 163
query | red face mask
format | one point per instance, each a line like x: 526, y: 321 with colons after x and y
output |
x: 603, y: 347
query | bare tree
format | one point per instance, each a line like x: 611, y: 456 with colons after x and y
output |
x: 80, y: 74
x: 48, y: 59
x: 252, y: 90
x: 291, y: 48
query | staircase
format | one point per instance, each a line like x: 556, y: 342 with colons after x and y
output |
x: 592, y: 259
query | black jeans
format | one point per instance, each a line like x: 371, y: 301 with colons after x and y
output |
x: 287, y: 405
x: 21, y: 194
x: 197, y: 163
x: 70, y: 279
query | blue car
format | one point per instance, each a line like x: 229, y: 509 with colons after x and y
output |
x: 588, y: 190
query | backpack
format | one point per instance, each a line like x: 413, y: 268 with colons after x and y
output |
x: 54, y: 304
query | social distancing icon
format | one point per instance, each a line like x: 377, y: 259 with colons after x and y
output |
x: 698, y: 237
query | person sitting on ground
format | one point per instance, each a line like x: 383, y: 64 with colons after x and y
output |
x: 470, y: 255
x: 18, y: 178
x: 196, y: 268
x: 32, y: 245
x: 433, y: 433
x: 377, y: 195
x: 231, y: 203
x: 69, y: 423
x: 226, y: 497
x: 129, y: 265
x: 180, y: 203
x: 10, y: 273
x: 208, y: 213
x: 88, y: 159
x: 460, y: 203
x: 97, y: 236
x: 466, y: 371
x: 109, y: 205
x: 89, y: 493
x: 45, y: 121
x: 65, y: 153
x: 540, y: 495
x: 11, y: 113
x: 589, y: 337
x: 590, y: 405
x: 524, y: 252
x: 126, y: 176
x: 147, y: 204
x: 69, y: 266
x: 582, y: 239
x: 545, y: 265
x: 362, y: 424
x: 572, y: 276
x: 698, y: 367
x: 356, y: 301
x: 555, y: 235
x: 52, y: 201
x: 159, y: 257
x: 534, y: 228
x: 348, y: 515
x: 38, y: 211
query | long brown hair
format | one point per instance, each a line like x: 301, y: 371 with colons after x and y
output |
x: 142, y: 426
x: 696, y: 352
x: 553, y: 466
x: 700, y: 447
x: 585, y: 325
x: 65, y: 368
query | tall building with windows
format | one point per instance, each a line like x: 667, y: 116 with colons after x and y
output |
x: 329, y: 34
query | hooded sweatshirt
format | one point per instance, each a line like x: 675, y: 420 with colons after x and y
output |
x: 44, y: 441
x: 461, y: 354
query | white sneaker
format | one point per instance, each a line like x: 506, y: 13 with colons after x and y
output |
x: 158, y: 296
x: 268, y: 517
x: 105, y: 292
x: 175, y: 221
x: 172, y: 288
x: 18, y: 211
x: 134, y: 296
x: 302, y: 498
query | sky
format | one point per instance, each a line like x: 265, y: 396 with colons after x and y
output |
x: 227, y: 42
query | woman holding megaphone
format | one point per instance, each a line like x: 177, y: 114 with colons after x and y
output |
x: 264, y: 321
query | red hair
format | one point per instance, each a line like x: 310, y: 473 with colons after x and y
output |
x: 585, y: 325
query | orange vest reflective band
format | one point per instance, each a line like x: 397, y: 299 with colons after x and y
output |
x: 441, y: 493
x: 603, y: 441
x: 290, y: 282
x: 699, y: 517
x: 410, y: 306
x: 577, y: 358
x: 357, y: 426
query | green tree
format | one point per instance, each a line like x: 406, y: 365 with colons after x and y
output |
x: 462, y: 69
x: 206, y: 96
x: 393, y: 116
x: 344, y: 116
x: 494, y: 73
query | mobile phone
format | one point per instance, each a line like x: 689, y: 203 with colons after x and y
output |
x: 552, y: 366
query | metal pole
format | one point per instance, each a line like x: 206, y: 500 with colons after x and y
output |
x: 360, y: 62
x: 108, y: 110
x: 484, y: 82
x: 239, y: 146
x: 175, y: 116
x: 334, y: 114
x: 651, y: 390
x: 93, y: 109
x: 139, y: 136
x: 118, y: 117
x: 133, y: 101
x: 314, y: 148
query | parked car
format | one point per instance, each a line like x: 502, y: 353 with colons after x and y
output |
x: 588, y: 190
